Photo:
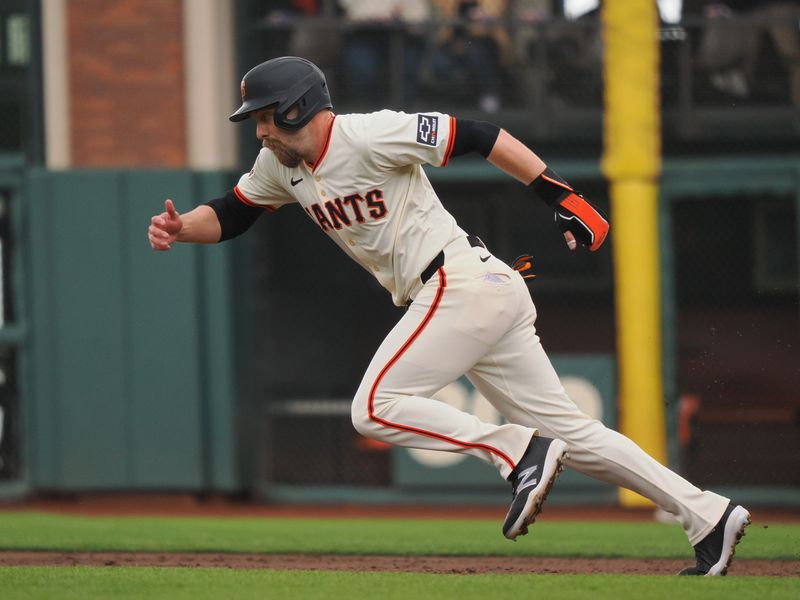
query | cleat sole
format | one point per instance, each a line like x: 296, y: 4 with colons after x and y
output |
x: 734, y: 532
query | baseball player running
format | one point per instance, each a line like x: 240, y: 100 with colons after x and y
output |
x: 359, y: 177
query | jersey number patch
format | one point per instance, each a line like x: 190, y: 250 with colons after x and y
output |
x: 427, y: 130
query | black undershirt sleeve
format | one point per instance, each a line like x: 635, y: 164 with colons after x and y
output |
x: 474, y: 136
x: 235, y: 217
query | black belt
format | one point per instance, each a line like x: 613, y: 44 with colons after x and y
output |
x: 438, y: 260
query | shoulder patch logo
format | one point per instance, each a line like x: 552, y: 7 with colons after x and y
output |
x: 427, y: 130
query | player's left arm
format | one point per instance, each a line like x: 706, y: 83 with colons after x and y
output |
x: 577, y: 218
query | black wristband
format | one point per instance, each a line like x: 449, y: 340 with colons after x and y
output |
x: 474, y: 136
x: 234, y: 216
x: 551, y: 188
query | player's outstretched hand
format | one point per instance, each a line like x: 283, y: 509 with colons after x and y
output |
x: 164, y: 228
x: 581, y: 222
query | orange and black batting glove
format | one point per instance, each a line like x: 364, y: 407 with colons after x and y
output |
x: 573, y: 212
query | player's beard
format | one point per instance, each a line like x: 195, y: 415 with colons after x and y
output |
x: 285, y: 155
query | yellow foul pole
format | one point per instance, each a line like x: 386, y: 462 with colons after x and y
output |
x: 632, y: 163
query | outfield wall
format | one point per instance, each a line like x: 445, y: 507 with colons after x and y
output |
x: 140, y: 371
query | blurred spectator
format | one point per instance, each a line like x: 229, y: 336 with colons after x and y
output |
x: 528, y: 16
x: 306, y: 36
x: 730, y: 48
x: 782, y: 20
x: 287, y: 10
x: 577, y: 61
x: 473, y: 46
x: 530, y: 36
x: 368, y: 47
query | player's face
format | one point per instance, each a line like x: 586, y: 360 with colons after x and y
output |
x: 286, y: 145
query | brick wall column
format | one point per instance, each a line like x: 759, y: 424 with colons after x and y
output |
x: 126, y: 83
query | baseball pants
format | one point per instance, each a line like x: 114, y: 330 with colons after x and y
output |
x: 477, y: 318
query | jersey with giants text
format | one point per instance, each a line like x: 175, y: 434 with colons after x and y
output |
x: 367, y: 190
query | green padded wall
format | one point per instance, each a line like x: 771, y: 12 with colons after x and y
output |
x: 122, y: 338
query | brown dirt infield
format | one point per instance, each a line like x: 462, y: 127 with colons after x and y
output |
x: 455, y: 565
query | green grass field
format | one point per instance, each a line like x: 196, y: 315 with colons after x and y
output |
x: 206, y: 584
x: 39, y: 532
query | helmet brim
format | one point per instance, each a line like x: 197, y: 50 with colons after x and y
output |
x: 240, y: 115
x: 243, y: 113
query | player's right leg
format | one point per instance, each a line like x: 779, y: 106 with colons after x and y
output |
x: 402, y: 413
x: 425, y: 351
x: 452, y: 323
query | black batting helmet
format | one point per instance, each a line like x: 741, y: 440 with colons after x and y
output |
x: 284, y: 82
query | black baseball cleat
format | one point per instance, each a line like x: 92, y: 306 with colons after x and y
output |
x: 531, y: 481
x: 715, y: 551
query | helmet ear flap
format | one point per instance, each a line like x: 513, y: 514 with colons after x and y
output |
x: 308, y: 104
x: 282, y: 111
x: 282, y: 118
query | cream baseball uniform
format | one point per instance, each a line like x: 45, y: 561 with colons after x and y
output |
x: 368, y: 192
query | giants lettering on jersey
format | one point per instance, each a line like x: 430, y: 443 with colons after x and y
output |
x: 350, y: 210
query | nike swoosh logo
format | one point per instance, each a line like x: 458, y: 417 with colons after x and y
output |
x: 526, y: 478
x: 485, y: 258
x: 294, y: 183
